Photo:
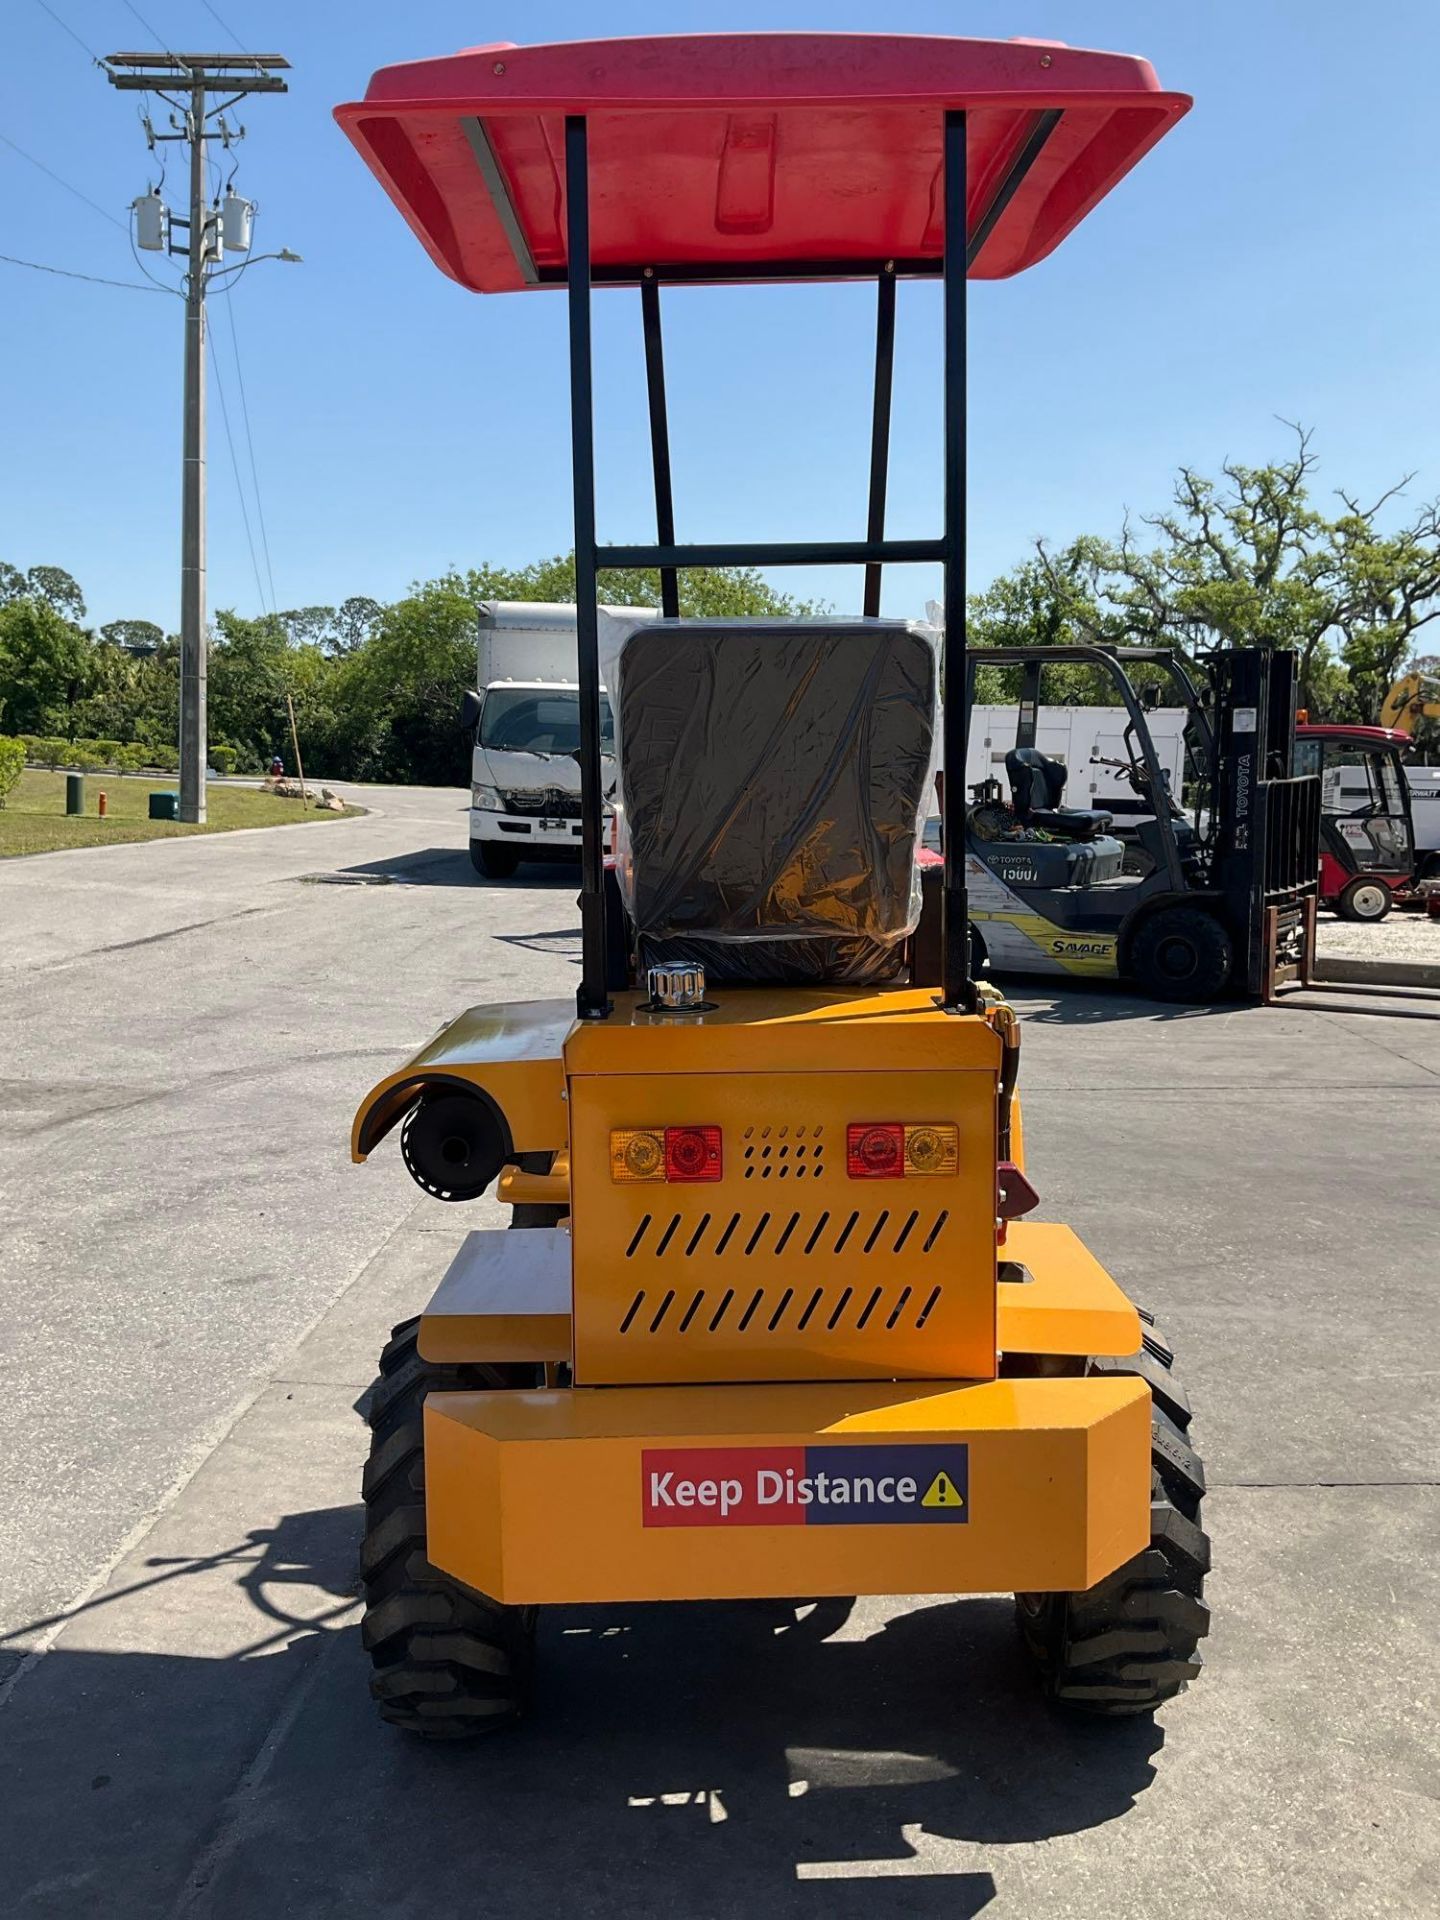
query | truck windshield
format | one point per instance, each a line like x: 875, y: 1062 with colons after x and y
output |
x: 539, y: 720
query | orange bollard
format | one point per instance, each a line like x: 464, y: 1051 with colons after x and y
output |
x: 103, y: 805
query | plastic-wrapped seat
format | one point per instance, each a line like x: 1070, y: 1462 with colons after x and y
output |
x: 772, y: 776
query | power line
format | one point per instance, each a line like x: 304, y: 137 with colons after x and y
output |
x: 148, y: 28
x: 250, y: 445
x: 135, y: 286
x: 224, y: 25
x: 65, y: 27
x: 239, y: 490
x: 15, y: 146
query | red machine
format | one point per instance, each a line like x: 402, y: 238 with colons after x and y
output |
x: 1367, y: 832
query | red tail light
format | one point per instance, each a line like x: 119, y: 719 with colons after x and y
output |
x: 896, y: 1149
x: 692, y: 1153
x: 875, y: 1150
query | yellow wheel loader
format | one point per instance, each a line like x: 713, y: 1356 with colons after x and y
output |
x: 776, y: 1325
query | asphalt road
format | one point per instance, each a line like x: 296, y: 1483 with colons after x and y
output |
x: 195, y: 1283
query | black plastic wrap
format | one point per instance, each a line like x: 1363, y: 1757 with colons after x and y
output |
x: 772, y: 781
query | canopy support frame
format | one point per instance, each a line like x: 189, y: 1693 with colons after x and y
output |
x: 958, y: 990
x: 880, y: 431
x: 659, y: 440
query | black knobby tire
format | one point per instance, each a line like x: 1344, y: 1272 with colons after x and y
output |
x: 493, y: 860
x: 527, y: 1215
x: 1365, y: 900
x: 1182, y: 953
x: 1131, y: 1642
x: 447, y: 1662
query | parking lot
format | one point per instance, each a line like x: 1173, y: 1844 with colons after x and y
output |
x: 197, y: 1282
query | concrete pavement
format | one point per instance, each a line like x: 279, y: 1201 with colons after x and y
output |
x: 196, y: 1284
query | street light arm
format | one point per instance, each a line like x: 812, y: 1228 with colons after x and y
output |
x: 291, y: 259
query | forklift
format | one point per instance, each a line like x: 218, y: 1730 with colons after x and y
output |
x: 1191, y: 896
x: 776, y: 1325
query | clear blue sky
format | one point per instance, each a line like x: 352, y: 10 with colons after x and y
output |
x: 1275, y: 255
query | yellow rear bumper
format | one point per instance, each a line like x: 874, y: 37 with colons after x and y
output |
x: 753, y: 1492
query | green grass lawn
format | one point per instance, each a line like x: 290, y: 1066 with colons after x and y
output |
x: 33, y: 818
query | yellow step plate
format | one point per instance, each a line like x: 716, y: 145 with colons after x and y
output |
x: 754, y: 1492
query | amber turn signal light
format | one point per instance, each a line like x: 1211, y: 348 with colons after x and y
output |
x: 896, y: 1149
x: 639, y: 1154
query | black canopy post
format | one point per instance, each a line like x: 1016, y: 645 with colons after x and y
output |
x: 958, y: 992
x: 880, y: 428
x: 591, y: 1000
x: 659, y: 440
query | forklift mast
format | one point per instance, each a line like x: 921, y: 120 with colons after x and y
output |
x: 1265, y: 843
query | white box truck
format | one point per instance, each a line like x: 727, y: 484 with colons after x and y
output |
x: 525, y: 772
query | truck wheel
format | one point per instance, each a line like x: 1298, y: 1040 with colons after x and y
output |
x: 1365, y: 900
x: 447, y: 1662
x: 494, y: 861
x: 1182, y: 953
x: 1130, y: 1643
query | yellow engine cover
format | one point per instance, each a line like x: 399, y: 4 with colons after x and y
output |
x: 785, y: 1267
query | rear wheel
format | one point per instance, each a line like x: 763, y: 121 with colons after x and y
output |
x: 1130, y: 1643
x: 493, y: 860
x: 447, y: 1662
x: 1182, y: 953
x: 1365, y: 900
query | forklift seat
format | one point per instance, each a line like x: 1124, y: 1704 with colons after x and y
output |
x: 1037, y: 784
x: 772, y: 779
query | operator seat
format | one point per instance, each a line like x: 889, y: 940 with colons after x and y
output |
x: 1037, y: 784
x: 772, y: 779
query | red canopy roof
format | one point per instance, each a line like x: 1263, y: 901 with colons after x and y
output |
x: 1339, y: 734
x: 733, y: 151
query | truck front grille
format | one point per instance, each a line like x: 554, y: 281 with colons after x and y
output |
x: 549, y: 803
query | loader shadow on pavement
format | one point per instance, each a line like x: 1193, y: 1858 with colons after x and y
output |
x: 1061, y: 1003
x: 697, y: 1760
x: 450, y: 867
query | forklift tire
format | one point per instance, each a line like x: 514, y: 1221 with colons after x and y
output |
x: 1182, y: 953
x: 448, y: 1663
x: 1365, y: 900
x: 1130, y: 1643
x: 494, y: 861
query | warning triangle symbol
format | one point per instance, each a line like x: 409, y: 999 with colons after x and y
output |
x: 942, y: 1492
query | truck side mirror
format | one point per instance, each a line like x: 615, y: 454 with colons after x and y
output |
x: 470, y: 710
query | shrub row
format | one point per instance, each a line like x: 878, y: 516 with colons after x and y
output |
x: 12, y: 764
x: 95, y: 756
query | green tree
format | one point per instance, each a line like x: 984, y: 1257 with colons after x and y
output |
x: 718, y: 593
x: 113, y: 704
x: 57, y: 589
x: 397, y: 700
x: 253, y: 667
x: 307, y: 626
x: 44, y: 662
x: 1248, y: 559
x: 137, y: 635
x: 355, y: 620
